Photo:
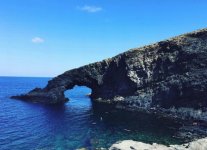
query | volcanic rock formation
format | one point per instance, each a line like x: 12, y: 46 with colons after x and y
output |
x: 168, y: 77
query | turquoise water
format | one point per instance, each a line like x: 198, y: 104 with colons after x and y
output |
x: 30, y: 126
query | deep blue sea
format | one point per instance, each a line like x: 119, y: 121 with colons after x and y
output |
x: 32, y: 126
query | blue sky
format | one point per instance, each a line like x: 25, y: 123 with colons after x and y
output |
x: 48, y: 37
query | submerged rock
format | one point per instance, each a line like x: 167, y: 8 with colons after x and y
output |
x: 168, y: 78
x: 200, y: 144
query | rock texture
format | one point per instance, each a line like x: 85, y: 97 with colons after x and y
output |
x: 168, y: 77
x: 133, y: 145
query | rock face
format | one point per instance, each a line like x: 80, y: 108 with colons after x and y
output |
x: 168, y: 77
x: 133, y: 145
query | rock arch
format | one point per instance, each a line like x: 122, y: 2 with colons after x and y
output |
x: 171, y: 73
x: 100, y: 77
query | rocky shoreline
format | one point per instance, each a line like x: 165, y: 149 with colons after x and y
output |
x: 200, y: 144
x: 168, y: 79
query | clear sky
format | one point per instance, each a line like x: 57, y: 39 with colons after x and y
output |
x: 48, y: 37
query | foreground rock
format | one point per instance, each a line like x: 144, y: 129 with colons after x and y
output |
x: 168, y: 78
x: 133, y: 145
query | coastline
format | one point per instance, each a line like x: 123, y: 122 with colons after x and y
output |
x: 200, y: 144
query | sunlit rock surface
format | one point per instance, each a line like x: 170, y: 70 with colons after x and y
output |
x: 133, y: 145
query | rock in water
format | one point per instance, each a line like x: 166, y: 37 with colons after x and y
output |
x: 168, y: 77
x: 133, y: 145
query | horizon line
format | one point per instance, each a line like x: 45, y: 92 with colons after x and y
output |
x: 10, y: 76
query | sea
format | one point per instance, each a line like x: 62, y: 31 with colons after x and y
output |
x: 74, y: 125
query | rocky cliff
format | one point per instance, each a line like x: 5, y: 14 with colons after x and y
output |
x: 168, y: 77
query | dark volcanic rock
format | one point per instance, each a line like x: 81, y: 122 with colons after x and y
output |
x: 168, y: 77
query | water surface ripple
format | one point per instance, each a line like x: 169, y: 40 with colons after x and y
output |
x: 31, y: 126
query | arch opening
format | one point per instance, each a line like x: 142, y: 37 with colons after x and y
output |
x: 79, y: 96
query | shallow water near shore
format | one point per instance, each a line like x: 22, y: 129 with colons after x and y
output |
x: 76, y: 124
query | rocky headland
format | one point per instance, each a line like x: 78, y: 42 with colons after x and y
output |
x: 167, y: 79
